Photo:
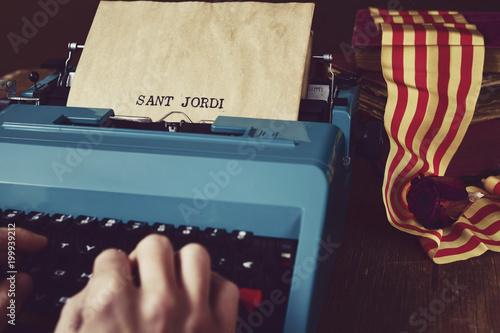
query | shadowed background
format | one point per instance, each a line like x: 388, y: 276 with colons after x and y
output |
x: 57, y: 22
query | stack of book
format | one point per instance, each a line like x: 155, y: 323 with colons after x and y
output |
x: 480, y: 149
x: 366, y: 39
x: 373, y: 96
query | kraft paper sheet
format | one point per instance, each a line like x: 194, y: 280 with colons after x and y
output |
x: 244, y: 59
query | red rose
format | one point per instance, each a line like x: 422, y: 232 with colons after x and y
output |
x: 436, y: 202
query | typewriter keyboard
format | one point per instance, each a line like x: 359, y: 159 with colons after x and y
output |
x: 260, y: 266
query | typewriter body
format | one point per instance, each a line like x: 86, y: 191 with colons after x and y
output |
x: 280, y: 181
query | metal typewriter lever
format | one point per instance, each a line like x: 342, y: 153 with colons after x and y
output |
x: 11, y: 87
x: 65, y: 77
x: 175, y: 112
x: 327, y: 57
x: 340, y: 113
x: 34, y: 77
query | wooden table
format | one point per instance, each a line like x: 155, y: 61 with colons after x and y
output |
x: 383, y: 281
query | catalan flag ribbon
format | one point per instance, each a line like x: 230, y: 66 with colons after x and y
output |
x: 416, y: 16
x: 433, y: 64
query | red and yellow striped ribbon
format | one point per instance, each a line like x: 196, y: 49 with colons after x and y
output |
x: 415, y: 16
x: 433, y: 65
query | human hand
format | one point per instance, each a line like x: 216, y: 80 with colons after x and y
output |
x: 23, y: 241
x: 177, y: 293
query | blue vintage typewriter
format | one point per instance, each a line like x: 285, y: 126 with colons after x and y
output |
x: 266, y: 197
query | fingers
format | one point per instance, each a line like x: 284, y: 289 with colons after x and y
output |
x: 178, y: 292
x: 70, y: 319
x: 107, y: 294
x: 111, y: 275
x: 224, y: 299
x: 154, y: 257
x: 195, y: 273
x: 206, y: 290
x: 208, y: 298
x: 25, y: 241
x: 23, y: 286
x: 111, y: 262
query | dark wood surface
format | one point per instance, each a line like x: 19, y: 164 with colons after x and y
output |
x: 383, y: 281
